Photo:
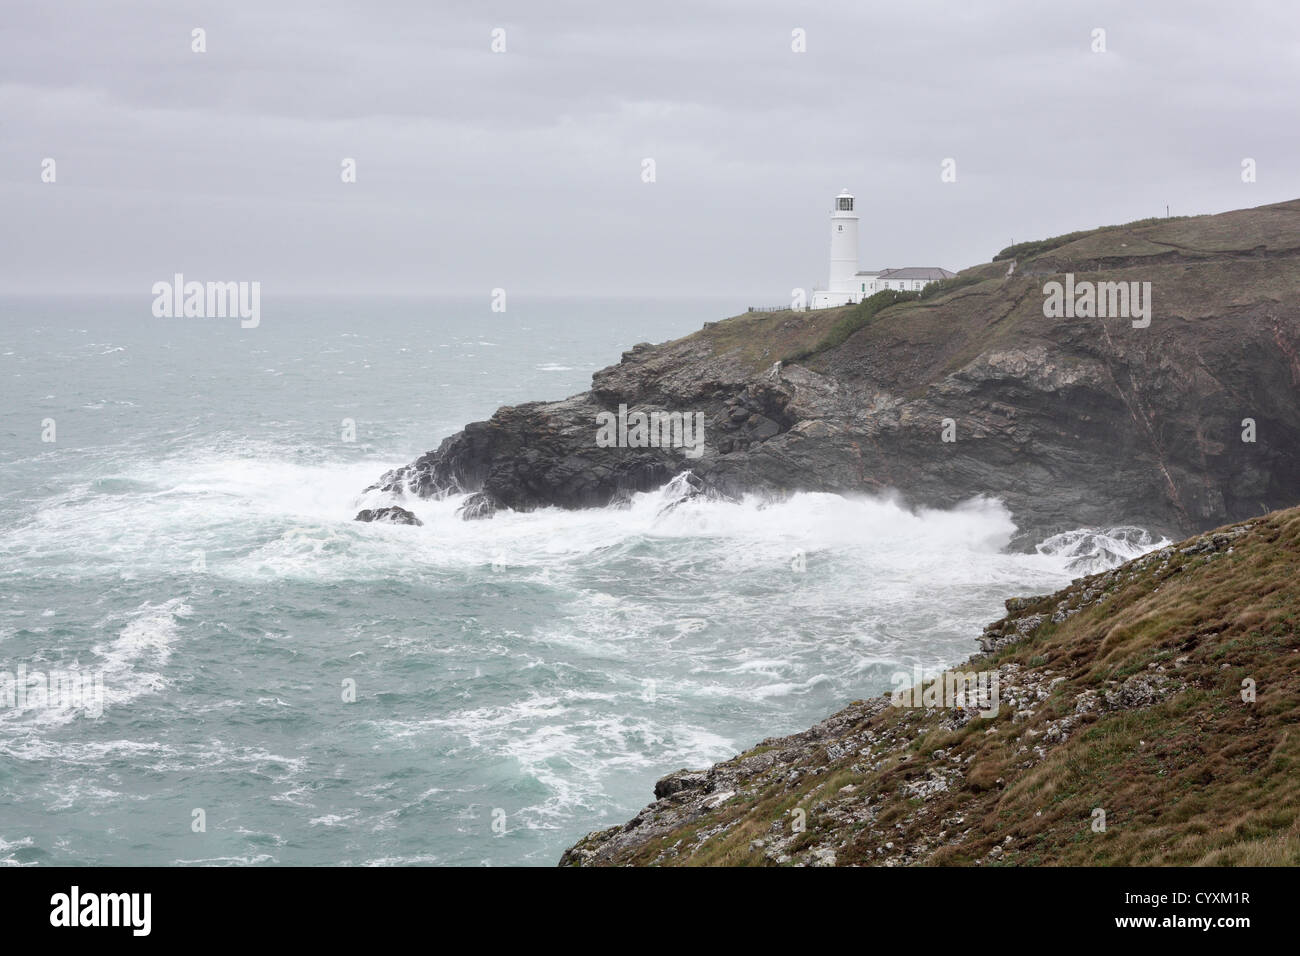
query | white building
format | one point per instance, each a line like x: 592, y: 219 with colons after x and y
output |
x: 848, y: 284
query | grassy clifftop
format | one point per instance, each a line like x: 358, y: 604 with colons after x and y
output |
x: 1164, y: 693
x: 1201, y: 265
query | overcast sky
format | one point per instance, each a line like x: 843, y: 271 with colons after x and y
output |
x: 523, y: 169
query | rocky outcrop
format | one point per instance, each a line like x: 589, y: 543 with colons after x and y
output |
x: 391, y: 515
x: 1070, y: 421
x: 1144, y: 715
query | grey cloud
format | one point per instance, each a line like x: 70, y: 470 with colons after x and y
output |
x: 522, y: 170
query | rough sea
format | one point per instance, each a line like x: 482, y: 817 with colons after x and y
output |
x: 176, y: 505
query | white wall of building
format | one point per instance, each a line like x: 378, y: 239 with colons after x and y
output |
x: 829, y: 300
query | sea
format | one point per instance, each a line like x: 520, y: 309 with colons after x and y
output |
x: 269, y: 682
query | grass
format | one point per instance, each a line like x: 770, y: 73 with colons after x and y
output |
x: 1035, y: 247
x: 860, y: 316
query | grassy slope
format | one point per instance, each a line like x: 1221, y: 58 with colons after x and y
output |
x: 986, y: 309
x: 1187, y: 772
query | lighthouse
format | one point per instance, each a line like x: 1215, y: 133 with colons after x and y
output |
x: 844, y: 245
x: 849, y: 284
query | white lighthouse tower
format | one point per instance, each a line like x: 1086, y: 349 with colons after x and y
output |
x: 844, y: 256
x: 844, y: 245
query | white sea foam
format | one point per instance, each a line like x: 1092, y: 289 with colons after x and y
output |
x: 1089, y: 550
x: 667, y: 638
x: 9, y: 858
x: 125, y: 668
x: 254, y: 516
x: 132, y: 663
x: 251, y: 860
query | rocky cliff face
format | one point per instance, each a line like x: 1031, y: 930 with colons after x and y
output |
x: 1070, y: 421
x: 1144, y: 715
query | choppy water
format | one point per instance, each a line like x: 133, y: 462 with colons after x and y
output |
x: 188, y: 538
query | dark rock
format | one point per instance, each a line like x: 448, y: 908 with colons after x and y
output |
x: 391, y: 515
x: 762, y: 428
x: 477, y: 506
x: 1020, y: 603
x: 680, y: 781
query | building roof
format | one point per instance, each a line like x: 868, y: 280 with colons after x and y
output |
x: 913, y: 272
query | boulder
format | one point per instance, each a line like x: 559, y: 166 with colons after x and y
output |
x: 390, y: 515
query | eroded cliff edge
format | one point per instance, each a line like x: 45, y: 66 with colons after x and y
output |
x: 1148, y: 715
x: 1070, y: 421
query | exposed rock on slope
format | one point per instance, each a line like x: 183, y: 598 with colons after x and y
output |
x: 1071, y: 421
x: 1125, y: 693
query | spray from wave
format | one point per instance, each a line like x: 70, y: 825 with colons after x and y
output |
x: 1089, y: 550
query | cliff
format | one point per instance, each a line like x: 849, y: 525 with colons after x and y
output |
x: 1148, y: 715
x: 1070, y: 421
